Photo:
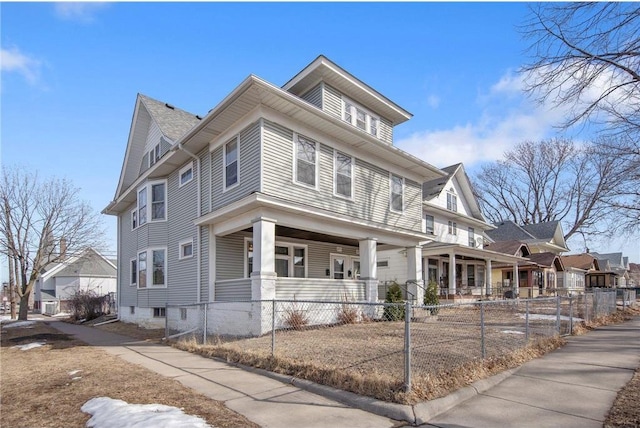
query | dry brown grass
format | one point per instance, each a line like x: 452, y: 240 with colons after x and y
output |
x: 626, y: 409
x: 133, y: 330
x: 37, y: 389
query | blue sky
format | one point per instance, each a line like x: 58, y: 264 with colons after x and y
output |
x: 71, y: 72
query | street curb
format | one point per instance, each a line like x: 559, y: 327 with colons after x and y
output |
x: 416, y: 414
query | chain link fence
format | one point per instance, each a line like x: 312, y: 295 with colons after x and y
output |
x: 391, y: 344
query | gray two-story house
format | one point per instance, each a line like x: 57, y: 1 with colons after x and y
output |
x: 277, y: 193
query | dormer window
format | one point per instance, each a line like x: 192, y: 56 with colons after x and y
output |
x: 452, y: 202
x: 360, y: 118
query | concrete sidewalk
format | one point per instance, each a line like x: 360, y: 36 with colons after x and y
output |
x: 261, y: 399
x: 574, y: 386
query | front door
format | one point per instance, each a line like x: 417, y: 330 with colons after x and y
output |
x: 345, y: 267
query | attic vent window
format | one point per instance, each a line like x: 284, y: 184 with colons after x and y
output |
x: 169, y: 106
x: 452, y: 202
x: 360, y: 117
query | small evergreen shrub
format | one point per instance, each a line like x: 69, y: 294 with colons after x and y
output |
x: 396, y: 311
x: 431, y: 297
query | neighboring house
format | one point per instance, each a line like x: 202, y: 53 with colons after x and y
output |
x: 634, y: 274
x: 539, y: 237
x: 576, y: 268
x: 456, y: 259
x: 278, y: 192
x: 618, y: 264
x: 58, y: 282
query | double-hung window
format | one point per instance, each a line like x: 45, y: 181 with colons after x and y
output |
x: 142, y: 269
x: 453, y: 228
x: 154, y: 155
x: 452, y: 202
x: 429, y: 224
x: 472, y: 238
x: 156, y: 210
x: 231, y: 163
x: 134, y: 218
x: 306, y: 162
x: 134, y: 271
x: 397, y: 192
x: 142, y: 206
x: 343, y: 175
x: 158, y: 258
x: 159, y: 268
x: 290, y: 259
x: 158, y: 196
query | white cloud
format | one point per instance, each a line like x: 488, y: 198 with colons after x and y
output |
x: 433, y: 101
x: 12, y: 60
x: 507, y: 118
x: 79, y: 11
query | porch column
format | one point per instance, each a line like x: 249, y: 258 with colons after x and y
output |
x: 452, y: 273
x: 516, y: 281
x: 263, y: 277
x: 415, y: 284
x: 487, y: 273
x: 369, y: 268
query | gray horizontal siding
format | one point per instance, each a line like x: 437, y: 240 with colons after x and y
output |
x: 128, y: 294
x: 233, y: 290
x: 249, y: 174
x: 229, y: 257
x: 331, y: 290
x: 152, y: 298
x: 314, y: 96
x: 385, y: 133
x: 205, y: 180
x: 372, y: 187
x: 204, y: 263
x: 332, y: 101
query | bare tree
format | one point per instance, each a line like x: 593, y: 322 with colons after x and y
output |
x: 552, y: 180
x: 586, y: 58
x: 35, y: 214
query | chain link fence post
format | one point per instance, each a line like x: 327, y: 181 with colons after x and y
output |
x: 526, y: 321
x: 273, y: 327
x: 407, y: 346
x: 482, y: 344
x: 558, y: 314
x: 204, y: 330
x: 166, y: 321
x: 570, y: 315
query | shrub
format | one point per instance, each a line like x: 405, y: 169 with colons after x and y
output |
x: 431, y: 297
x: 347, y: 313
x: 394, y: 295
x: 87, y: 305
x: 295, y: 318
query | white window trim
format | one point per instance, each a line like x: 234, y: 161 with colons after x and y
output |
x: 224, y: 164
x: 149, y: 269
x: 291, y: 246
x: 295, y: 162
x: 454, y: 201
x: 391, y: 175
x: 152, y: 155
x: 335, y: 175
x: 433, y: 221
x: 368, y: 116
x: 149, y: 208
x: 184, y: 169
x: 133, y: 284
x: 452, y: 228
x: 181, y: 245
x: 134, y: 212
x: 348, y: 265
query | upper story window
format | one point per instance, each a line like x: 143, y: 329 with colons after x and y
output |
x: 157, y: 210
x: 154, y: 155
x: 306, y: 161
x: 134, y: 271
x: 343, y: 175
x: 186, y: 174
x: 231, y: 163
x: 452, y: 202
x: 429, y: 224
x: 397, y: 193
x: 360, y: 117
x: 472, y: 237
x: 186, y: 249
x: 134, y: 218
x: 453, y: 228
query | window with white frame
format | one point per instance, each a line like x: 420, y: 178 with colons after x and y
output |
x: 158, y: 275
x: 429, y: 222
x: 154, y: 155
x: 134, y: 218
x: 186, y: 174
x: 157, y: 209
x: 134, y: 271
x: 397, y: 192
x: 231, y: 169
x: 186, y: 249
x: 343, y: 175
x: 290, y: 259
x: 360, y: 117
x: 306, y: 161
x: 453, y: 228
x: 472, y: 237
x: 452, y: 202
x: 159, y: 312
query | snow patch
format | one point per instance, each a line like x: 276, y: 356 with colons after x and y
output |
x: 29, y: 346
x: 110, y: 413
x: 548, y: 317
x: 18, y: 324
x: 62, y: 315
x: 76, y: 378
x: 74, y: 372
x: 511, y: 332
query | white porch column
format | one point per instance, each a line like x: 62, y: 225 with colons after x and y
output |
x: 452, y: 273
x: 369, y: 268
x: 516, y: 281
x: 415, y: 284
x: 487, y: 273
x: 263, y: 277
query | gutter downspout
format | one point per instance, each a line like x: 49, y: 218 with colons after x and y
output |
x: 199, y: 208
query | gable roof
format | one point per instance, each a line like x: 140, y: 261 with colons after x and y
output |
x: 509, y: 247
x: 548, y: 234
x: 615, y: 259
x: 544, y: 230
x: 88, y: 263
x: 580, y: 261
x: 546, y: 259
x: 172, y: 122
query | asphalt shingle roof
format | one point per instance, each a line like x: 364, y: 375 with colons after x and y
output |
x: 173, y: 122
x: 579, y: 261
